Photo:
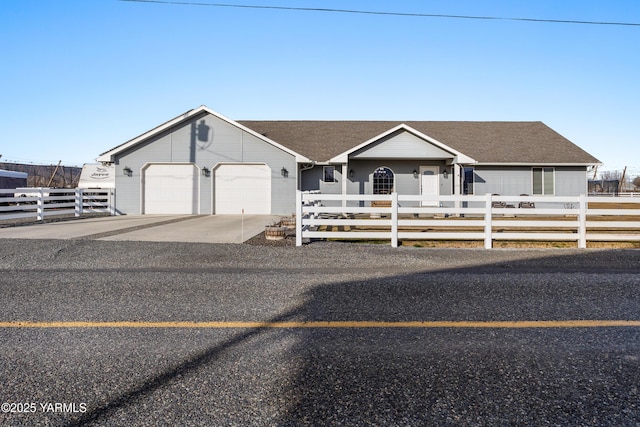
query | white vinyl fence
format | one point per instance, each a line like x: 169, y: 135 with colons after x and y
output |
x: 486, y: 218
x: 39, y: 203
x: 614, y: 195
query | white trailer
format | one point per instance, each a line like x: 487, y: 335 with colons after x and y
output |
x: 97, y: 175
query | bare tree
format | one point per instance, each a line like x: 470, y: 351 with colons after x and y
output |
x: 611, y: 175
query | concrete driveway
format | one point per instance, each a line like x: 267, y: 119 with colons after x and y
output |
x: 150, y: 228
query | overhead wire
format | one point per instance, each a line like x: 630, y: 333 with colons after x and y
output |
x: 371, y: 12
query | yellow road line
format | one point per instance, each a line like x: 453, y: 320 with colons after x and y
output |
x: 337, y: 324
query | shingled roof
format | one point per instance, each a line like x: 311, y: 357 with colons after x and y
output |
x: 486, y: 142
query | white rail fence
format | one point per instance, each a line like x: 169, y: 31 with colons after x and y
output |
x: 39, y: 203
x: 615, y: 195
x: 486, y: 218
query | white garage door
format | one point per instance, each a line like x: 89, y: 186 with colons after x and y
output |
x: 239, y: 187
x: 171, y: 189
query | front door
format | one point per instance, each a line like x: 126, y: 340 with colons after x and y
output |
x: 429, y: 183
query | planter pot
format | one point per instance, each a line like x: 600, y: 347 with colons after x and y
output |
x: 275, y: 232
x: 288, y: 222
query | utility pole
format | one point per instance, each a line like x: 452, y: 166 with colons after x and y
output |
x: 54, y: 173
x: 621, y: 184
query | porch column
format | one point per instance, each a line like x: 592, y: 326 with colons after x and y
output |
x: 457, y: 173
x: 344, y: 184
x: 456, y: 184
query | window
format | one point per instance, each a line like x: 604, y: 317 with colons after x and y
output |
x: 543, y: 181
x: 382, y: 181
x: 329, y: 173
x: 467, y: 180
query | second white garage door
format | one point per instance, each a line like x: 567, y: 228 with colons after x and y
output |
x: 241, y: 187
x: 171, y: 189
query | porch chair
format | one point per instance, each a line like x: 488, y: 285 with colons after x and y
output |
x: 526, y: 205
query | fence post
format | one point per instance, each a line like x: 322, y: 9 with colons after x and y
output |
x: 40, y: 205
x: 582, y: 222
x: 112, y: 201
x: 298, y: 218
x: 488, y: 240
x: 394, y: 220
x: 79, y: 204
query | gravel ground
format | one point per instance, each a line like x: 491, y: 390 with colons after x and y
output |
x: 260, y: 240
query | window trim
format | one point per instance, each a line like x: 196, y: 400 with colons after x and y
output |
x: 543, y: 170
x: 374, y: 182
x: 333, y: 174
x: 464, y: 180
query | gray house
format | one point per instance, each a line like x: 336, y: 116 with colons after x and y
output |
x: 203, y: 163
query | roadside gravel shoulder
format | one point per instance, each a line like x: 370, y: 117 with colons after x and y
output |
x: 261, y: 240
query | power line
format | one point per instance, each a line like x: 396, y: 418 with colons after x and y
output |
x: 65, y: 163
x: 370, y: 12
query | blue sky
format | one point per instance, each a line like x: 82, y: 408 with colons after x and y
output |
x: 79, y: 77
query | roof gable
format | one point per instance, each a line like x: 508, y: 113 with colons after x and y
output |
x: 402, y: 142
x: 108, y: 156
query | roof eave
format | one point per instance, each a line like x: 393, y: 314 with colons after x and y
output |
x: 538, y: 164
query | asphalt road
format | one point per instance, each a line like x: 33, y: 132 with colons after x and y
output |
x: 128, y: 374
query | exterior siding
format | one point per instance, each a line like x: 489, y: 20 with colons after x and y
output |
x: 571, y: 181
x: 283, y: 189
x: 405, y: 182
x: 402, y: 145
x: 205, y: 141
x: 503, y: 181
x: 312, y: 180
x: 513, y: 181
x: 127, y: 190
x: 508, y: 181
x: 362, y: 180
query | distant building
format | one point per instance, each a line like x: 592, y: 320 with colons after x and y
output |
x: 604, y: 186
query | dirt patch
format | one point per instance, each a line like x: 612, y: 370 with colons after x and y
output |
x: 520, y: 244
x: 290, y: 241
x: 261, y: 240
